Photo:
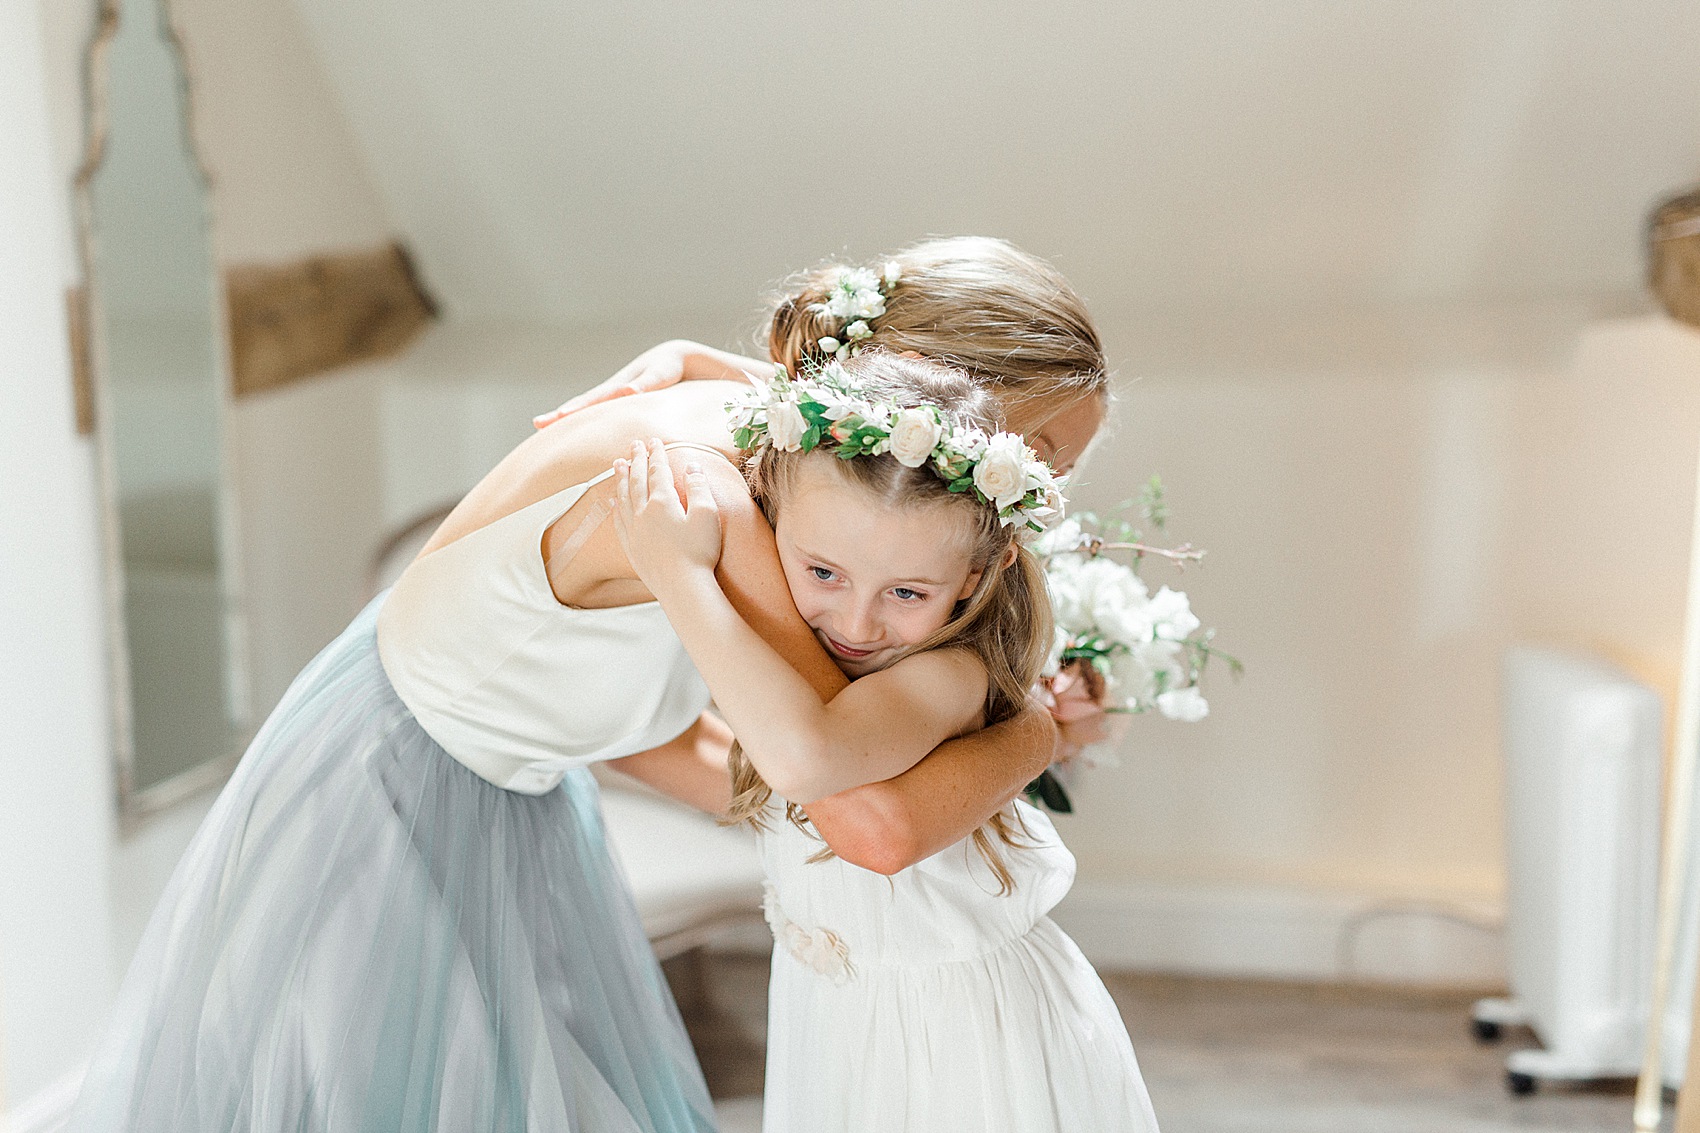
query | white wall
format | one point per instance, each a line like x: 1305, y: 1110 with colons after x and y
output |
x: 55, y: 782
x: 285, y: 183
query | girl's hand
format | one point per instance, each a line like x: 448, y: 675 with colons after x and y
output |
x: 657, y: 368
x: 665, y: 538
x: 1075, y: 698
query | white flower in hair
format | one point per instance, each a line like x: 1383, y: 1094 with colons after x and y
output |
x: 893, y: 272
x: 836, y: 406
x: 858, y: 330
x: 855, y: 295
x: 785, y: 424
x: 1001, y: 473
x: 823, y: 407
x: 914, y: 435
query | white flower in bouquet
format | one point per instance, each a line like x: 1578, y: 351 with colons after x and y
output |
x: 1172, y: 616
x: 1160, y: 654
x: 1121, y: 606
x: 1061, y: 539
x: 1149, y: 648
x: 1131, y: 681
x: 1184, y: 704
x: 1148, y: 651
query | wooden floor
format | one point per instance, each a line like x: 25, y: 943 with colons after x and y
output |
x: 1233, y: 1057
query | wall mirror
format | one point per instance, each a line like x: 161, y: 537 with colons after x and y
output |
x: 161, y: 401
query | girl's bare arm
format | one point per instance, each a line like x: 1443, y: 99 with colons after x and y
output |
x: 659, y: 367
x: 876, y: 727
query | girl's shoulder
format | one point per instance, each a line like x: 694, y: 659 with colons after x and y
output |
x: 952, y: 679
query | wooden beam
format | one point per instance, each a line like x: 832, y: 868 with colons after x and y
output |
x: 1673, y: 237
x: 291, y: 321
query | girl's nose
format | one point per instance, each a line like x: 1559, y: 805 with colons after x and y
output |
x: 861, y: 627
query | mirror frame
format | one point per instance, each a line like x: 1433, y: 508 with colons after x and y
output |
x: 135, y: 804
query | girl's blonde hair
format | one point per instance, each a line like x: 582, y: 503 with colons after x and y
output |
x: 1005, y: 621
x: 974, y: 302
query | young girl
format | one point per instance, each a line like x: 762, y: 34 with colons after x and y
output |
x: 941, y: 998
x: 1016, y: 326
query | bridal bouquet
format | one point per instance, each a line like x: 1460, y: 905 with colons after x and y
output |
x: 1146, y: 651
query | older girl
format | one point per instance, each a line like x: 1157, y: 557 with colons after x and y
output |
x: 401, y: 912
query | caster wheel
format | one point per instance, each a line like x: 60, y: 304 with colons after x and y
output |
x: 1520, y: 1084
x: 1485, y: 1030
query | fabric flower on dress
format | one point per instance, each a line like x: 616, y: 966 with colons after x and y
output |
x: 820, y: 949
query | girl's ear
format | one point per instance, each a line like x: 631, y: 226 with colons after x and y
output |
x: 1009, y: 557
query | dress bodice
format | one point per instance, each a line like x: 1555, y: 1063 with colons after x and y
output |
x: 839, y: 918
x: 516, y: 686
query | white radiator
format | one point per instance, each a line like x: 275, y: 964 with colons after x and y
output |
x: 1581, y: 743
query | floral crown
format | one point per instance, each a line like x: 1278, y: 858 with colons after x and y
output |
x: 854, y: 299
x: 823, y: 409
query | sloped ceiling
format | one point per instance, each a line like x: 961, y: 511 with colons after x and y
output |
x: 558, y: 161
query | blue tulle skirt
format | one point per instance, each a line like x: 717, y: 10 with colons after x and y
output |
x: 364, y: 935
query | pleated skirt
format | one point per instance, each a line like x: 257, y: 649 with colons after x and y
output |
x: 366, y: 936
x: 1024, y: 1039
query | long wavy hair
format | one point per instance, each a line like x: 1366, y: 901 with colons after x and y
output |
x: 1005, y: 621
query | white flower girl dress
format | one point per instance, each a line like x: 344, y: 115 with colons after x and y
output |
x: 927, y: 1003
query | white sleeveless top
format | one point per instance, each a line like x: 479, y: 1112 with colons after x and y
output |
x: 516, y: 686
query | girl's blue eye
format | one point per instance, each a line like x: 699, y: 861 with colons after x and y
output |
x: 904, y: 594
x: 821, y: 573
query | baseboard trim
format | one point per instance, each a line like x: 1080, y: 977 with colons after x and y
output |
x: 1275, y: 932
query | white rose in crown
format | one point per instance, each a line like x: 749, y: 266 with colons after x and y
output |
x: 1001, y: 474
x: 785, y: 425
x: 914, y: 435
